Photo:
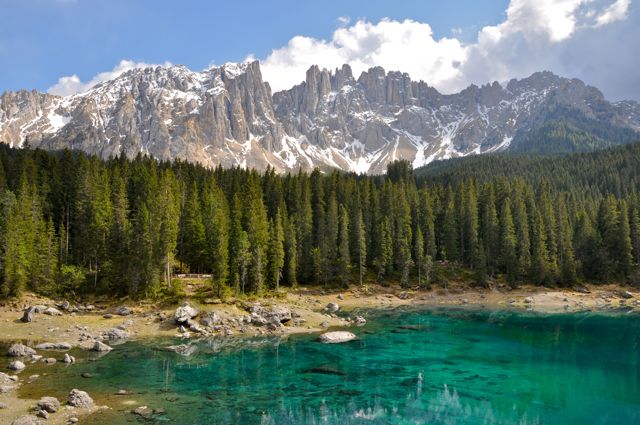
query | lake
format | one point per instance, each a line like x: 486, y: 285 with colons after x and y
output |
x: 409, y: 366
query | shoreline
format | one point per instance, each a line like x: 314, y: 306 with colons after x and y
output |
x: 80, y: 329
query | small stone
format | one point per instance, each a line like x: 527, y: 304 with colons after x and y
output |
x: 50, y: 360
x: 3, y: 406
x: 324, y: 324
x: 340, y: 297
x: 73, y: 420
x: 360, y: 320
x: 107, y: 316
x: 43, y: 414
x: 143, y: 411
x: 68, y: 359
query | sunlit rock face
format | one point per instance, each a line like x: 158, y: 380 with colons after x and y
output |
x: 228, y: 116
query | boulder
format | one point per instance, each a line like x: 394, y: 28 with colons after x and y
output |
x: 79, y: 398
x: 336, y: 337
x: 272, y: 316
x: 360, y: 320
x: 64, y: 305
x: 16, y: 365
x: 210, y: 319
x: 332, y: 307
x: 101, y: 347
x: 60, y: 346
x: 626, y: 295
x: 28, y: 420
x: 7, y: 379
x: 184, y: 313
x: 123, y: 311
x: 19, y: 350
x: 28, y: 315
x: 51, y: 311
x: 115, y: 334
x: 42, y: 414
x: 49, y: 404
x: 50, y: 361
x: 68, y: 359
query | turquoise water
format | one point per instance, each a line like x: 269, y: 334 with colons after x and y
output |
x: 408, y: 367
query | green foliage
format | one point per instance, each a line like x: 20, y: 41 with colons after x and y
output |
x: 72, y: 223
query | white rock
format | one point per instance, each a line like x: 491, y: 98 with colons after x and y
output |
x: 337, y: 337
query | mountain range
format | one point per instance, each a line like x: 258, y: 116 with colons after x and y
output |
x: 229, y: 116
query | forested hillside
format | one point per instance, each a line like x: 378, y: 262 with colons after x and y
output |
x: 73, y: 223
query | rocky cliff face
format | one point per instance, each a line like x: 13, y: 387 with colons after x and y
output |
x: 228, y: 116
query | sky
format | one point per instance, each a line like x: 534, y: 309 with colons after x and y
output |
x: 66, y: 46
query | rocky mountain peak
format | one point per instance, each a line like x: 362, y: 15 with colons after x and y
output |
x: 228, y: 115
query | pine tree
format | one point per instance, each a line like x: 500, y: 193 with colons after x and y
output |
x: 385, y: 256
x: 565, y: 245
x: 169, y: 217
x: 344, y: 261
x: 216, y: 234
x: 508, y: 260
x: 361, y: 241
x: 193, y: 247
x: 418, y: 252
x: 290, y: 253
x: 276, y: 250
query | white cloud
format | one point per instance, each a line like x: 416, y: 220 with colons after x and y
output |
x: 72, y: 84
x: 344, y: 20
x: 615, y: 12
x: 407, y: 45
x: 535, y: 35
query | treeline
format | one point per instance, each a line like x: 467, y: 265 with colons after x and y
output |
x: 612, y: 171
x: 71, y: 223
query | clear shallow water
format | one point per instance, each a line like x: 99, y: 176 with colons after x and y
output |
x: 408, y: 367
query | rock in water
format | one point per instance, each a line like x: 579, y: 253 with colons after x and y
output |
x: 101, y: 347
x: 337, y: 337
x: 19, y: 350
x: 61, y: 346
x: 332, y: 307
x: 49, y: 404
x: 28, y: 420
x: 79, y: 398
x: 184, y: 313
x: 361, y: 320
x: 68, y: 359
x: 16, y: 365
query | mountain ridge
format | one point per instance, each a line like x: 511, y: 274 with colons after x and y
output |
x: 228, y: 116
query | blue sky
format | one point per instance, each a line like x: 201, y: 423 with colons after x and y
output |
x: 447, y: 43
x: 41, y: 40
